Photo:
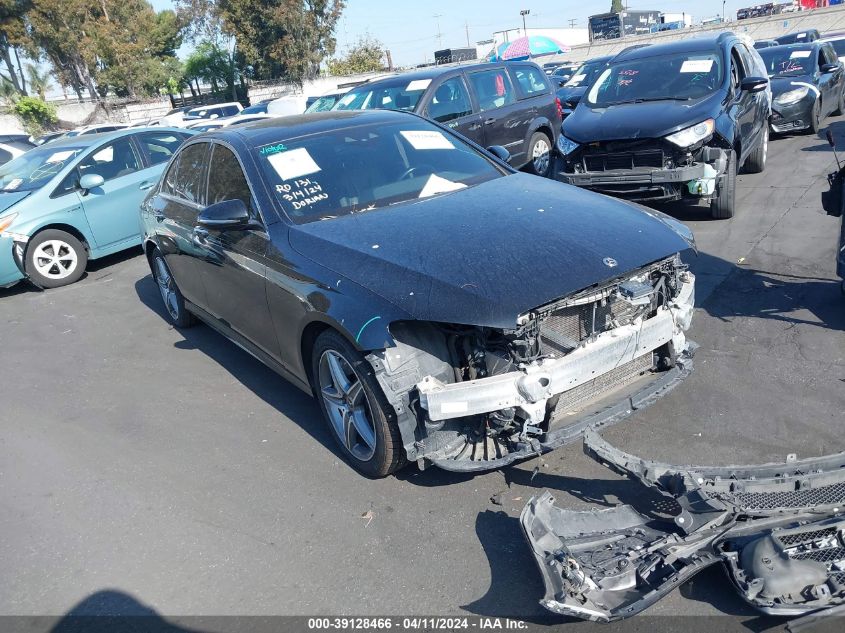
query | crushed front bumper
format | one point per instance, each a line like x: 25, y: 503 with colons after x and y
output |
x: 777, y: 528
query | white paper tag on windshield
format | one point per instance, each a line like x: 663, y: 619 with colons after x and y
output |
x: 418, y: 84
x: 293, y: 164
x: 427, y: 139
x: 800, y: 36
x: 697, y: 66
x: 435, y: 184
x: 13, y: 184
x: 58, y: 157
x: 799, y: 54
x: 576, y: 78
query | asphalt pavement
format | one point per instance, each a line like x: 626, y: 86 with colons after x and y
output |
x: 143, y: 467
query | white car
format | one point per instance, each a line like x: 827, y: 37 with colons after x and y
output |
x: 216, y: 124
x: 213, y: 111
x: 12, y: 146
x: 95, y: 129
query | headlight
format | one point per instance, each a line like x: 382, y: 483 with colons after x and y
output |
x: 6, y: 222
x: 693, y: 134
x: 565, y: 145
x: 792, y: 96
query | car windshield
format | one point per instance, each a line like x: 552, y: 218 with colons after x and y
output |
x: 586, y: 74
x: 368, y: 166
x: 675, y: 77
x: 36, y: 168
x: 323, y: 104
x: 394, y: 94
x: 781, y: 60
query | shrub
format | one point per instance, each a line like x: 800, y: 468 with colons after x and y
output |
x: 35, y: 114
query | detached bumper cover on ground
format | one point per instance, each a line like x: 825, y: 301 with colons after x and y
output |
x: 778, y: 529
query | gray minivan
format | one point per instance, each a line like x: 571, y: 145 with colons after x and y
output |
x: 511, y: 104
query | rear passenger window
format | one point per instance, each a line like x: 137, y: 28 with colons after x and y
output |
x: 531, y: 80
x: 160, y: 146
x: 190, y: 175
x: 450, y: 101
x: 492, y: 88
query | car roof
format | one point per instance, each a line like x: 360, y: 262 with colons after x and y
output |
x: 433, y: 72
x: 796, y: 46
x: 691, y: 45
x: 602, y: 59
x: 89, y: 140
x: 268, y: 131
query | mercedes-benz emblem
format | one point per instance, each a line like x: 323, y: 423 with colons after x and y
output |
x: 610, y: 262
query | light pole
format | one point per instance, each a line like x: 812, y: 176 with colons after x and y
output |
x: 723, y: 10
x: 523, y: 13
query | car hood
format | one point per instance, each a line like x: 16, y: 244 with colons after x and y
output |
x: 785, y: 84
x: 10, y: 198
x: 484, y: 255
x: 573, y: 95
x: 652, y: 119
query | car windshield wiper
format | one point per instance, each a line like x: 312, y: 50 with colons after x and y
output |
x: 647, y: 99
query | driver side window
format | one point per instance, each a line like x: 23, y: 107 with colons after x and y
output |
x: 111, y: 161
x: 737, y: 72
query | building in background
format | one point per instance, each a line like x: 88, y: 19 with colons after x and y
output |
x: 611, y: 26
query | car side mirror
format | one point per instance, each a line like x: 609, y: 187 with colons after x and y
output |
x: 828, y: 68
x: 499, y: 152
x: 90, y: 181
x: 754, y: 84
x: 229, y: 214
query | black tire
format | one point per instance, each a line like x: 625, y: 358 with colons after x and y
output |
x: 388, y: 453
x: 723, y: 204
x: 756, y: 162
x: 815, y: 118
x: 174, y: 302
x: 540, y: 167
x: 55, y: 258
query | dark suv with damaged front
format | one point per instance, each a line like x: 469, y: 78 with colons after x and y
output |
x: 671, y: 121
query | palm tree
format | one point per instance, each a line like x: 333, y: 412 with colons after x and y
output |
x: 39, y: 81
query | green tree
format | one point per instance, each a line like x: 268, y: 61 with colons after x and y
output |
x: 39, y: 80
x: 616, y: 6
x: 12, y: 36
x: 367, y: 55
x: 208, y: 63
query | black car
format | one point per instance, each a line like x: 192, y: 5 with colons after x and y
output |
x: 511, y: 104
x: 444, y: 308
x: 807, y: 85
x: 570, y: 92
x: 671, y: 121
x: 758, y: 44
x: 799, y: 37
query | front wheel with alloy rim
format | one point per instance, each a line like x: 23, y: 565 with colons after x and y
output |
x: 540, y: 155
x: 174, y: 302
x: 361, y: 420
x: 756, y: 161
x: 55, y: 258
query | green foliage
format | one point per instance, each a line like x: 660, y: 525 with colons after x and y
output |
x: 367, y: 55
x: 210, y: 64
x: 34, y: 113
x: 616, y: 6
x: 39, y: 81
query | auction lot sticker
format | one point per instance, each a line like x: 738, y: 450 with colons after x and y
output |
x: 293, y: 164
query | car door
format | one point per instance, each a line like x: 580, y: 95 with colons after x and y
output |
x: 504, y: 119
x: 233, y: 264
x: 175, y: 208
x: 450, y: 103
x: 742, y: 106
x: 829, y: 82
x: 112, y: 209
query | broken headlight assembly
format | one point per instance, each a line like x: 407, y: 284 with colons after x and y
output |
x: 566, y: 146
x: 777, y: 528
x: 693, y: 134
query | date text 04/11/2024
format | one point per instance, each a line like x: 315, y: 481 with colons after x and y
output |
x: 414, y: 623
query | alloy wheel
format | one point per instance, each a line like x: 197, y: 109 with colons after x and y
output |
x: 166, y: 288
x: 55, y: 259
x: 541, y: 156
x: 347, y: 405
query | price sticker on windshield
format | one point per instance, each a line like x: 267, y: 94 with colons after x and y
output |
x: 427, y: 139
x: 799, y: 54
x: 697, y: 66
x: 293, y: 164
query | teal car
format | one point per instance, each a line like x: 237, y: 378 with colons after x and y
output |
x: 77, y: 199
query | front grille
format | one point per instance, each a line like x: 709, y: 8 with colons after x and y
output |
x: 821, y: 555
x: 789, y: 540
x: 823, y: 495
x: 562, y: 330
x: 623, y: 160
x: 601, y: 384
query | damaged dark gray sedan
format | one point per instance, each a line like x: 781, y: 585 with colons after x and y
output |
x: 444, y: 308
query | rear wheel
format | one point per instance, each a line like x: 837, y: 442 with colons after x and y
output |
x: 540, y: 154
x: 722, y: 206
x: 174, y: 302
x: 55, y: 258
x: 361, y: 420
x: 756, y: 162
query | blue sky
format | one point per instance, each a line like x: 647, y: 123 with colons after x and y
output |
x: 409, y: 29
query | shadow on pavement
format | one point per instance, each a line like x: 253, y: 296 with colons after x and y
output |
x: 110, y: 611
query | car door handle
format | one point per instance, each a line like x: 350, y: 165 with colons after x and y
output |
x: 146, y: 185
x: 489, y: 121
